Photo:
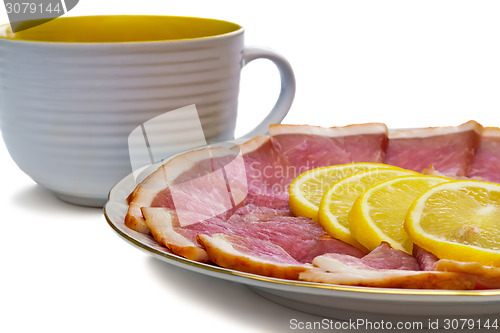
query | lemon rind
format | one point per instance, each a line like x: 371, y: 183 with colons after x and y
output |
x: 330, y: 224
x: 442, y: 248
x: 363, y: 221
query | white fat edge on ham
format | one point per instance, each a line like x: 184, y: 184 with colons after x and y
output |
x: 357, y: 129
x: 488, y: 276
x: 160, y: 222
x: 252, y: 144
x: 434, y: 131
x: 491, y: 132
x: 143, y: 196
x: 334, y: 271
x: 221, y: 249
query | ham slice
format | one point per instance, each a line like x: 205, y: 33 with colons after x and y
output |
x: 183, y: 167
x: 487, y: 277
x: 142, y: 196
x: 251, y: 255
x: 383, y: 267
x: 447, y: 150
x: 260, y: 210
x: 268, y: 174
x: 385, y: 257
x: 162, y: 224
x: 195, y: 178
x: 335, y: 269
x: 295, y: 235
x: 382, y: 257
x: 486, y: 164
x: 426, y: 260
x: 326, y: 244
x: 309, y: 147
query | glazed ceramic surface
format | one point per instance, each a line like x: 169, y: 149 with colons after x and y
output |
x: 69, y: 99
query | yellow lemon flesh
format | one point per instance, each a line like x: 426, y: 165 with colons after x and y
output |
x: 308, y: 188
x: 458, y: 221
x: 338, y: 200
x: 379, y: 213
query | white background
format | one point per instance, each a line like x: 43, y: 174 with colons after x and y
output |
x: 405, y: 63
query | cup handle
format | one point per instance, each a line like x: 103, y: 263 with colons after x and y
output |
x: 287, y: 91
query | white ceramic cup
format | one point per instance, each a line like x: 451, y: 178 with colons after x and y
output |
x: 73, y: 89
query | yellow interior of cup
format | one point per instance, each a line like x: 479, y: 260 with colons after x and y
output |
x: 121, y: 28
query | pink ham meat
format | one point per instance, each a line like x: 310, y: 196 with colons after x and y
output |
x: 251, y: 255
x: 309, y: 147
x: 268, y: 174
x: 263, y: 211
x: 398, y: 270
x: 447, y: 150
x: 334, y: 271
x: 295, y: 235
x: 385, y: 257
x: 162, y: 224
x: 326, y: 244
x: 486, y: 164
x: 487, y: 277
x: 426, y: 260
x: 155, y: 189
x: 199, y: 184
x: 264, y: 256
x: 382, y: 257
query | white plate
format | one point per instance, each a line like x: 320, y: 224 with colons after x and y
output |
x: 333, y: 301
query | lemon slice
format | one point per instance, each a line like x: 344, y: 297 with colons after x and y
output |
x: 307, y: 189
x: 458, y: 221
x: 379, y: 213
x: 338, y: 200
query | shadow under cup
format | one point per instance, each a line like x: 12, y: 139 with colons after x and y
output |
x: 73, y: 89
